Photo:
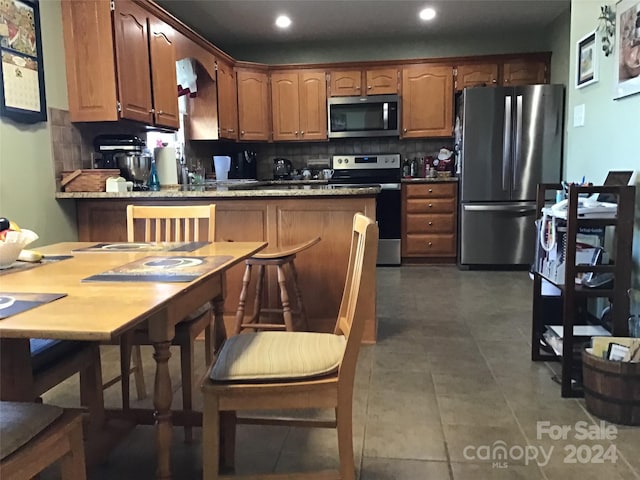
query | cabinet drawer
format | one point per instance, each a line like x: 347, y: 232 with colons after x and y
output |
x: 430, y: 245
x: 423, y: 223
x: 427, y: 205
x: 432, y: 190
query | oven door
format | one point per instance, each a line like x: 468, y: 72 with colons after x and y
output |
x: 388, y: 217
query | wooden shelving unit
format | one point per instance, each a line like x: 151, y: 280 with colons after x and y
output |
x: 573, y: 296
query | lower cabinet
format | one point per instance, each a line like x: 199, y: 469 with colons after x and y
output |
x: 429, y: 221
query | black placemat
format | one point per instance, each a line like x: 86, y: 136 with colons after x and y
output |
x: 144, y: 247
x: 12, y: 303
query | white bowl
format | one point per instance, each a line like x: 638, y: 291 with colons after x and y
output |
x: 13, y: 244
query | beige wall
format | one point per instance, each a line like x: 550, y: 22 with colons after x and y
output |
x: 611, y: 132
x: 27, y: 184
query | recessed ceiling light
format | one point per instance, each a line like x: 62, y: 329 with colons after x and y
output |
x: 283, y: 21
x: 427, y: 13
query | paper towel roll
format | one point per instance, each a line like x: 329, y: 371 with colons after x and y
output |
x: 167, y: 166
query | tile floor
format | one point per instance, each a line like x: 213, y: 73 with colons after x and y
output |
x: 448, y: 384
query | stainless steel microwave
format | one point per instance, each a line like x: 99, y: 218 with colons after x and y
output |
x: 373, y: 116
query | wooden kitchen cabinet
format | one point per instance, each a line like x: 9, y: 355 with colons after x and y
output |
x: 227, y: 101
x: 299, y: 105
x: 524, y: 72
x: 379, y: 81
x: 474, y: 75
x: 429, y: 221
x: 427, y: 101
x: 253, y: 105
x: 135, y: 48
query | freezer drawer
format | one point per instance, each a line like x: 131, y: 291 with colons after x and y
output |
x: 497, y: 234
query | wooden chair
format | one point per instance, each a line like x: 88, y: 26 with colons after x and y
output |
x: 292, y: 370
x: 36, y: 436
x: 172, y: 224
x: 283, y: 260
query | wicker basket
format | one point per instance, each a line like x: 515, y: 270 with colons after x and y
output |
x: 611, y: 389
x: 87, y: 180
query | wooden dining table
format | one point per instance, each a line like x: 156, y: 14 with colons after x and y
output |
x: 101, y: 311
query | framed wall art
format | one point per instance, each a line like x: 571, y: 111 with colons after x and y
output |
x: 627, y: 59
x: 22, y: 93
x: 587, y: 51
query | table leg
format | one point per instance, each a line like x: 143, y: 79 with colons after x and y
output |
x: 162, y: 397
x: 16, y: 376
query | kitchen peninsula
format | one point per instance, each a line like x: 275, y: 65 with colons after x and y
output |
x: 278, y: 214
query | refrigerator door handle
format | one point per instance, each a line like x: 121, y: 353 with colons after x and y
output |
x: 506, y: 143
x: 518, y: 149
x: 500, y: 208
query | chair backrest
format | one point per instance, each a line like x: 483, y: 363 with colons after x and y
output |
x: 361, y: 278
x: 172, y: 224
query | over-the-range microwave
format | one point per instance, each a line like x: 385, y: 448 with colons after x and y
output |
x: 372, y: 116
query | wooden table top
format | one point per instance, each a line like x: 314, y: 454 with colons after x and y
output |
x: 99, y: 311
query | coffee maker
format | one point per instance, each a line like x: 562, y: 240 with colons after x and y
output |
x: 244, y: 165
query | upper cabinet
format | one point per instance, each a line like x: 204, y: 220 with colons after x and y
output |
x: 347, y: 83
x: 427, y: 101
x: 514, y: 72
x: 135, y: 48
x: 299, y: 105
x: 524, y: 72
x: 227, y: 101
x: 253, y: 104
x: 476, y: 75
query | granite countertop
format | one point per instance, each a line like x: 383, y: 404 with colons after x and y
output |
x: 285, y: 188
x: 429, y: 180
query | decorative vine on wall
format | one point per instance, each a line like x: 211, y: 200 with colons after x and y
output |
x: 607, y: 28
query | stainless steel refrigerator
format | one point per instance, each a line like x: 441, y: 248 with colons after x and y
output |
x: 511, y: 140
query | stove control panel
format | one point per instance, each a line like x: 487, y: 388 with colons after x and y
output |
x: 365, y: 162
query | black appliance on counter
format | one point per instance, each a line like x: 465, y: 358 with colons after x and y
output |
x: 383, y: 170
x: 282, y: 169
x: 244, y: 165
x: 110, y: 146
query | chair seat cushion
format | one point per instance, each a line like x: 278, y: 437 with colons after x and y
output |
x: 278, y: 356
x: 20, y: 422
x: 45, y: 351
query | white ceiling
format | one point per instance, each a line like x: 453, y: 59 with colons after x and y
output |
x: 236, y: 22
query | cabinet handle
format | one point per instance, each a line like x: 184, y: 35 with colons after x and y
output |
x: 231, y: 130
x: 430, y: 244
x: 430, y: 223
x: 430, y: 205
x: 160, y: 112
x: 242, y: 132
x: 404, y: 130
x: 152, y: 111
x: 494, y: 81
x: 302, y: 132
x: 296, y: 133
x: 431, y: 190
x: 369, y: 87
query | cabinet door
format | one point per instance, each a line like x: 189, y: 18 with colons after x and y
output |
x: 285, y: 104
x: 345, y: 83
x: 227, y: 102
x: 383, y: 81
x: 132, y: 60
x: 89, y: 55
x: 427, y: 101
x: 478, y: 75
x: 253, y: 105
x: 523, y: 72
x: 163, y: 73
x: 313, y: 105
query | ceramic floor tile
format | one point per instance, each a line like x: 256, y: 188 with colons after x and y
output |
x: 407, y: 440
x: 396, y: 469
x: 471, y: 443
x: 470, y: 471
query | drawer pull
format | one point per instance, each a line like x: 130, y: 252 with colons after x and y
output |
x: 431, y: 190
x: 430, y: 244
x: 430, y: 205
x: 430, y: 223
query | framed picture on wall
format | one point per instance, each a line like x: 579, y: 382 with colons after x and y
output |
x: 22, y: 94
x: 627, y: 51
x: 587, y: 60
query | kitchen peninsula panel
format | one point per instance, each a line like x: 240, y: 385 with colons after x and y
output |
x: 280, y: 220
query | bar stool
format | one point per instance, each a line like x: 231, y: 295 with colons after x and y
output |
x: 280, y: 259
